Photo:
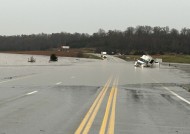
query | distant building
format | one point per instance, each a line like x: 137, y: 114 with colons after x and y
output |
x: 65, y: 48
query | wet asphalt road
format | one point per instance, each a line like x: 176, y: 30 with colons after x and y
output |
x: 73, y: 98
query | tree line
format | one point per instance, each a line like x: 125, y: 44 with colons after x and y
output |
x: 134, y: 40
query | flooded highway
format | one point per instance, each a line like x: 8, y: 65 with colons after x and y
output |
x: 81, y: 96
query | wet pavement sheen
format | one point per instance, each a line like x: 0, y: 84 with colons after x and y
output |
x: 54, y: 98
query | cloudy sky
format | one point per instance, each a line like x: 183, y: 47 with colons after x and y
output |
x: 87, y: 16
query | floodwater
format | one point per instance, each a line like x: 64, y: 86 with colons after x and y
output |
x: 17, y: 65
x: 54, y: 97
x: 22, y: 60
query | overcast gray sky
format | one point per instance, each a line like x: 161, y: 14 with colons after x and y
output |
x: 87, y: 16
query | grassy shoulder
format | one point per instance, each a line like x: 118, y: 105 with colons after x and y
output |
x: 165, y: 58
x: 176, y: 58
x: 91, y: 56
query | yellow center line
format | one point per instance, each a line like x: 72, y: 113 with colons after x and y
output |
x: 111, y: 126
x: 90, y: 121
x: 81, y: 126
x: 105, y: 119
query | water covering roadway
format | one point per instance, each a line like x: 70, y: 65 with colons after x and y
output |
x: 81, y: 96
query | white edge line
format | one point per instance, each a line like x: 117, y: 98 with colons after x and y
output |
x: 14, y: 79
x: 183, y: 99
x: 58, y: 83
x: 32, y: 93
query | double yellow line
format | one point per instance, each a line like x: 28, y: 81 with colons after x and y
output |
x: 86, y: 123
x: 111, y: 104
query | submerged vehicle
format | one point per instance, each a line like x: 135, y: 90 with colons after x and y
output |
x: 103, y: 55
x: 53, y: 57
x: 145, y: 61
x: 31, y: 59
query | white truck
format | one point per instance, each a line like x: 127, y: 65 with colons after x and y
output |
x: 103, y: 55
x: 145, y: 61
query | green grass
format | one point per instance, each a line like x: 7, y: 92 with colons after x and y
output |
x: 176, y: 58
x: 165, y: 58
x: 130, y: 57
x: 91, y: 56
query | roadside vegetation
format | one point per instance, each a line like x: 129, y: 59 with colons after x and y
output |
x: 91, y: 56
x: 171, y: 45
x: 88, y: 53
x: 173, y: 58
x: 133, y: 40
